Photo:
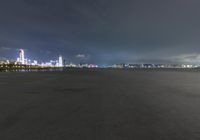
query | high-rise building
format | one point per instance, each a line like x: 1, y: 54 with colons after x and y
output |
x: 60, y: 61
x: 21, y: 56
x: 34, y: 62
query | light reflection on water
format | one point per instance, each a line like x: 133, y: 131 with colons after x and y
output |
x: 33, y: 70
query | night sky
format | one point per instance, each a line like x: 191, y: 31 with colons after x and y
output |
x: 102, y: 31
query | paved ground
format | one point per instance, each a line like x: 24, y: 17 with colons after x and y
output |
x: 100, y: 105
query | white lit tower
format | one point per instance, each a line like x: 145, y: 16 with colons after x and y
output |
x: 60, y: 61
x: 21, y: 56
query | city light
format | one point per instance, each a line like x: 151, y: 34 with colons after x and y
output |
x: 24, y: 63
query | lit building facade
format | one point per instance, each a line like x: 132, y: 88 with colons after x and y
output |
x: 21, y: 56
x: 60, y: 61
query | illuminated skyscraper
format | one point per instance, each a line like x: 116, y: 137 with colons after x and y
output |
x: 21, y: 56
x: 60, y: 61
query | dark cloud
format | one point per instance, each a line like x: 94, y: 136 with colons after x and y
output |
x: 109, y: 31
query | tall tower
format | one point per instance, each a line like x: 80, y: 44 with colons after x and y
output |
x: 21, y: 56
x: 60, y: 61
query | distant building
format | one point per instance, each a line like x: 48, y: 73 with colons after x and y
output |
x: 60, y: 61
x: 3, y: 62
x: 34, y: 62
x: 71, y: 65
x: 21, y: 58
x: 83, y: 65
x: 119, y: 66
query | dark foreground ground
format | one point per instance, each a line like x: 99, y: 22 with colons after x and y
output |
x: 100, y: 105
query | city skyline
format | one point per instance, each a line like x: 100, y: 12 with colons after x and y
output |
x: 22, y: 62
x: 62, y: 62
x: 82, y: 58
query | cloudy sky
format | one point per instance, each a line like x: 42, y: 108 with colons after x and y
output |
x: 102, y: 31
